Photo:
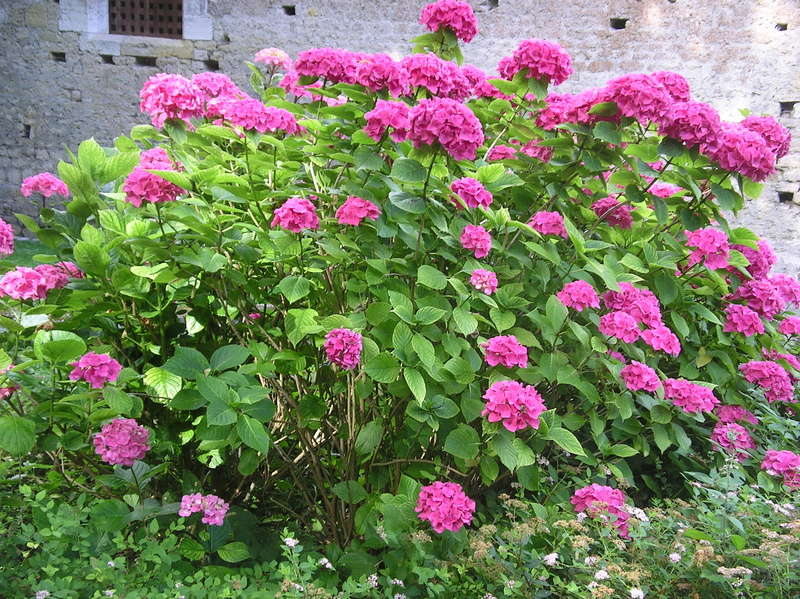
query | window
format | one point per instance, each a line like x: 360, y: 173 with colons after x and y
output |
x: 153, y: 18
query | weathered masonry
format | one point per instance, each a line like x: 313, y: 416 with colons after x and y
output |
x: 72, y: 69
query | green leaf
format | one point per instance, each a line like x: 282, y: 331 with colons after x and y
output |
x: 671, y: 147
x: 623, y: 451
x: 350, y: 491
x: 187, y: 363
x: 661, y: 437
x: 17, y: 434
x: 566, y: 440
x: 191, y: 549
x: 604, y: 109
x: 119, y: 401
x: 463, y: 442
x: 91, y: 258
x: 424, y: 349
x: 408, y: 171
x: 416, y: 383
x: 383, y: 368
x: 109, y: 515
x: 367, y: 159
x: 163, y: 382
x: 607, y: 132
x: 301, y: 322
x: 556, y: 313
x: 252, y: 433
x: 294, y: 288
x: 428, y: 315
x: 407, y: 202
x: 431, y: 277
x: 502, y: 319
x: 234, y: 552
x: 369, y: 437
x: 58, y: 347
x: 228, y: 356
x: 466, y: 323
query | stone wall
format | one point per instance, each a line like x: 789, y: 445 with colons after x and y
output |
x: 63, y: 78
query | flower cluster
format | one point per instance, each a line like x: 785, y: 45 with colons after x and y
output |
x: 613, y: 212
x: 6, y: 238
x: 783, y: 463
x: 274, y: 57
x: 742, y: 150
x: 600, y: 501
x: 454, y: 15
x: 731, y: 413
x: 505, y: 350
x: 734, y: 438
x: 296, y: 214
x: 689, y: 396
x: 441, y: 78
x: 541, y: 59
x: 165, y: 96
x: 45, y: 184
x: 741, y: 319
x: 249, y: 113
x: 641, y: 304
x: 447, y: 123
x: 621, y: 325
x: 661, y: 338
x: 761, y: 259
x: 25, y: 283
x: 693, y: 123
x: 355, y: 209
x: 790, y: 326
x: 213, y: 508
x: 640, y: 96
x: 578, y: 295
x: 471, y: 192
x: 776, y: 136
x: 343, y: 348
x: 483, y: 280
x: 122, y: 442
x: 388, y: 113
x: 638, y: 376
x: 445, y: 506
x: 143, y: 186
x: 95, y: 369
x: 711, y: 247
x: 548, y: 223
x: 516, y: 405
x: 379, y: 72
x: 477, y: 239
x: 771, y: 377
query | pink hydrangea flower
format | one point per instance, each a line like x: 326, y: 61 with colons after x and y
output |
x: 95, y: 369
x: 711, y: 247
x: 776, y: 135
x: 641, y: 97
x: 788, y: 288
x: 734, y: 438
x: 471, y: 192
x: 642, y: 304
x: 675, y: 85
x: 122, y: 442
x: 761, y: 260
x: 481, y: 88
x: 250, y: 113
x: 661, y: 338
x: 355, y: 209
x: 791, y: 360
x: 689, y: 396
x: 477, y: 239
x: 45, y: 184
x: 295, y: 215
x: 638, y: 376
x: 484, y: 280
x: 613, y: 212
x: 143, y: 186
x: 331, y: 64
x: 505, y: 350
x: 387, y: 114
x: 762, y: 296
x: 379, y: 72
x: 454, y: 15
x: 441, y: 78
x: 790, y: 326
x: 542, y: 59
x: 616, y: 356
x: 741, y: 150
x: 55, y: 277
x: 516, y: 405
x: 165, y: 96
x: 578, y: 295
x: 730, y: 413
x: 663, y: 190
x: 549, y: 223
x: 693, y: 123
x: 771, y: 377
x: 621, y: 325
x: 274, y: 57
x: 445, y: 506
x: 6, y: 238
x: 214, y: 508
x: 447, y: 123
x: 343, y: 348
x: 23, y: 283
x: 534, y: 149
x: 217, y: 86
x: 741, y: 319
x: 501, y: 152
x: 600, y: 501
x: 783, y: 463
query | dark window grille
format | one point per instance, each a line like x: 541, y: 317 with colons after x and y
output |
x: 153, y: 18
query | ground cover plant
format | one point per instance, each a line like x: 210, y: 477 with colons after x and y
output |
x: 372, y: 296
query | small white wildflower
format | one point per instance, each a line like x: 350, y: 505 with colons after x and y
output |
x: 110, y: 564
x: 511, y: 583
x: 298, y: 587
x: 606, y: 470
x: 638, y: 513
x: 601, y: 575
x: 326, y: 563
x: 516, y: 486
x: 550, y: 559
x: 42, y: 594
x: 543, y: 461
x: 489, y: 596
x: 399, y: 596
x: 680, y: 547
x: 372, y: 580
x: 675, y: 557
x: 592, y: 585
x: 591, y: 560
x: 109, y: 592
x: 580, y: 517
x: 397, y: 582
x: 291, y: 542
x: 637, y: 593
x: 178, y: 585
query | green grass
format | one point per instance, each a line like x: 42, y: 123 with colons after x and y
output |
x: 24, y: 251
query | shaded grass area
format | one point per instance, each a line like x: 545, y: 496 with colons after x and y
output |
x: 24, y: 251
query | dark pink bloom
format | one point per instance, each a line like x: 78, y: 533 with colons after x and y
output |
x: 388, y: 113
x: 621, y: 325
x: 534, y: 149
x: 788, y: 287
x: 791, y: 360
x: 741, y: 319
x: 441, y: 78
x: 6, y: 238
x: 477, y: 239
x: 600, y: 501
x: 663, y: 190
x: 638, y: 376
x: 213, y: 508
x: 379, y: 72
x: 661, y: 338
x: 501, y: 152
x: 642, y: 304
x: 484, y: 280
x: 445, y: 506
x: 217, y: 85
x: 730, y: 413
x: 332, y: 64
x: 23, y: 283
x: 783, y: 463
x: 343, y: 348
x: 711, y: 247
x: 675, y: 85
x: 761, y: 260
x: 578, y: 295
x: 613, y: 212
x: 689, y: 396
x: 165, y: 96
x: 776, y: 135
x: 763, y: 296
x: 143, y: 186
x: 641, y: 97
x: 741, y: 150
x: 771, y: 377
x: 296, y: 214
x: 516, y: 405
x: 356, y: 209
x: 122, y: 442
x: 45, y: 184
x: 454, y: 15
x: 471, y: 192
x: 505, y: 350
x: 693, y: 123
x: 549, y: 223
x: 541, y: 59
x: 447, y: 123
x: 250, y: 113
x: 95, y: 369
x: 790, y: 326
x: 734, y: 438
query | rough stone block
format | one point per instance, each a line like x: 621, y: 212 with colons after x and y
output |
x: 198, y: 27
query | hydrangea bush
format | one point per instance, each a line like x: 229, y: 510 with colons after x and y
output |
x: 371, y: 291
